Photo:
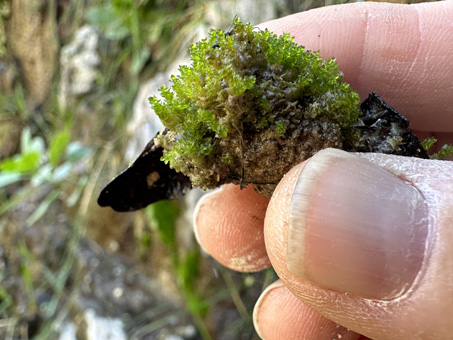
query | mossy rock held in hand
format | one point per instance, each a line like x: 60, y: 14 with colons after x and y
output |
x: 251, y: 106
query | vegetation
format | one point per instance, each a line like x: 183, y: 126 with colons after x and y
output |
x: 246, y: 88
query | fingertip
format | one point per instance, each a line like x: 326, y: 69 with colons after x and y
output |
x: 201, y: 202
x: 258, y: 311
x: 229, y: 226
x: 276, y: 222
x: 278, y: 314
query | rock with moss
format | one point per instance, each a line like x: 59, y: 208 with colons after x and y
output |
x: 252, y: 105
x: 249, y: 107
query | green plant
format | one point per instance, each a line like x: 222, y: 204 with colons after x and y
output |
x: 162, y: 217
x: 445, y: 151
x: 57, y: 172
x: 38, y: 165
x: 240, y: 111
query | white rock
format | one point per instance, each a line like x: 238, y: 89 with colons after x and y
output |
x: 79, y: 61
x: 101, y: 328
x: 145, y: 123
x: 68, y: 331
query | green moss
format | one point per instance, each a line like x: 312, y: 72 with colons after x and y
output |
x: 252, y: 99
x: 428, y: 143
x: 445, y: 152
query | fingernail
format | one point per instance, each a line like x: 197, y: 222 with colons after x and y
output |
x: 259, y: 304
x: 355, y: 227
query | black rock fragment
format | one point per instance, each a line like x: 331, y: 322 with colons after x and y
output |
x: 384, y: 130
x: 146, y: 181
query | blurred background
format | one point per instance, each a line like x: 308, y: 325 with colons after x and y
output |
x: 74, y: 81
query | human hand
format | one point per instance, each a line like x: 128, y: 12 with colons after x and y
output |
x: 363, y: 241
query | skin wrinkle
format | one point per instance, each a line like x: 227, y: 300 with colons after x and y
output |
x: 397, y: 32
x: 406, y: 78
x: 358, y: 33
x: 365, y: 17
x: 380, y: 319
x: 437, y: 49
x: 385, y: 62
x: 420, y: 30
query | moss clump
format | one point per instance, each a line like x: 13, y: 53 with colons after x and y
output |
x: 251, y: 105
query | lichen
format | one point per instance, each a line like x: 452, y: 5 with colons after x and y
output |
x: 250, y: 106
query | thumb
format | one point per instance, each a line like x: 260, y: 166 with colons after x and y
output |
x: 366, y: 240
